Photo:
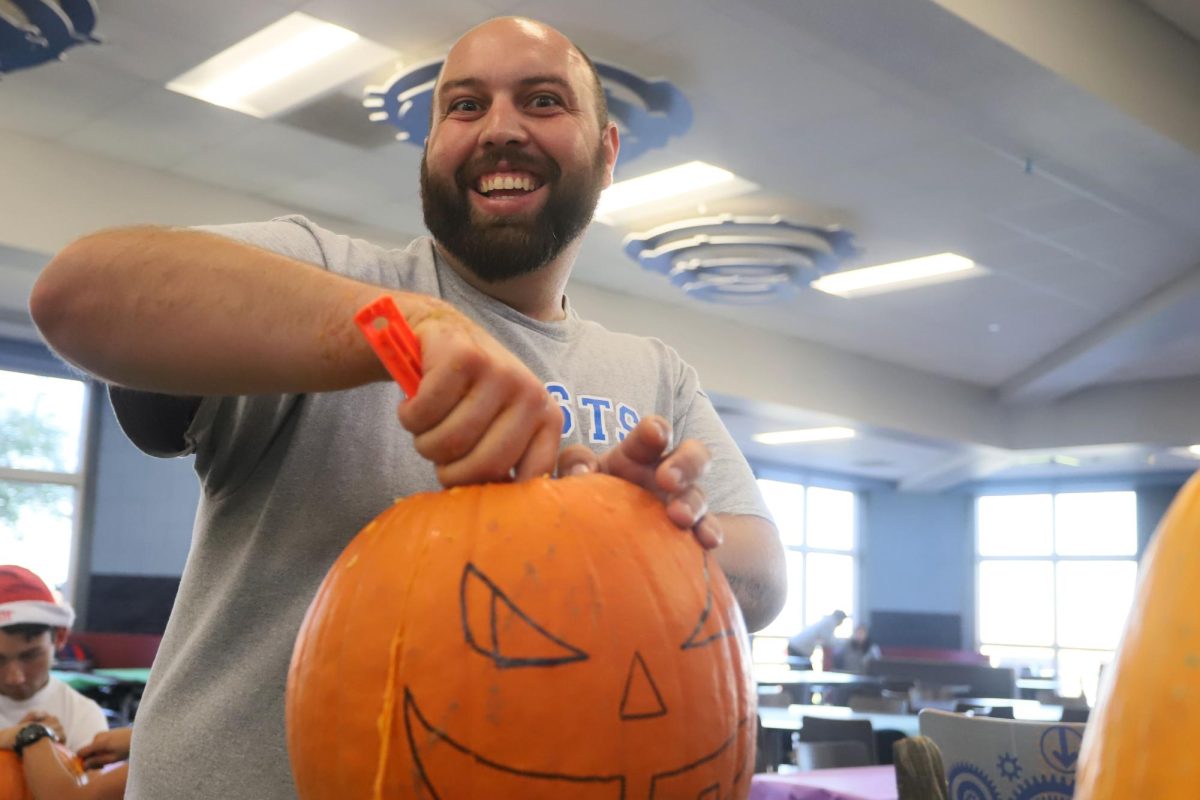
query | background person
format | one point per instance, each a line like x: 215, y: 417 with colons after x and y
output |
x: 33, y: 625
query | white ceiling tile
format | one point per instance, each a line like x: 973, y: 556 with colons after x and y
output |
x: 1143, y: 251
x: 215, y: 24
x: 268, y: 156
x: 129, y: 47
x: 415, y: 30
x: 159, y: 128
x: 56, y: 98
x: 1058, y: 215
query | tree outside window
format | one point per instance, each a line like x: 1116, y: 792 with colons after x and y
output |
x: 41, y: 442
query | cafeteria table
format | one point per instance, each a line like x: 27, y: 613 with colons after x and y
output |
x: 847, y: 783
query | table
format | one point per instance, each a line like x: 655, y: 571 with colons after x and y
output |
x: 850, y: 783
x: 1030, y: 710
x: 83, y: 681
x: 119, y: 691
x: 780, y: 723
x: 808, y: 679
x: 126, y: 674
x: 789, y: 719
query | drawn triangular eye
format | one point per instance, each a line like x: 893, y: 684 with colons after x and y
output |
x: 496, y: 627
x: 710, y: 627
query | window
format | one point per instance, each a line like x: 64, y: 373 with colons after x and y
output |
x: 1056, y: 581
x: 818, y: 529
x: 42, y: 425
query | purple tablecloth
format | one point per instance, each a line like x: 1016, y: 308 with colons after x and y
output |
x: 850, y: 783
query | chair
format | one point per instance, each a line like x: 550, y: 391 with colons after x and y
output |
x: 830, y: 755
x: 920, y: 773
x: 983, y: 753
x: 971, y: 709
x: 820, y: 729
x: 1075, y: 714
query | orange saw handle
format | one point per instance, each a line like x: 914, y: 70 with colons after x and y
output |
x: 393, y: 341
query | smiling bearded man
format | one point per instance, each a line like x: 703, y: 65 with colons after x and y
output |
x: 497, y: 248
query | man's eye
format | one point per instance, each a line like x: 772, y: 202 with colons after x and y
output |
x: 468, y: 106
x: 545, y: 101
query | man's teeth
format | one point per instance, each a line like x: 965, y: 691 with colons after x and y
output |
x: 525, y: 184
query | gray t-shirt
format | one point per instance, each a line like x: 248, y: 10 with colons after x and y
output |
x: 288, y: 480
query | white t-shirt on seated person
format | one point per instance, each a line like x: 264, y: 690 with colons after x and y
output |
x: 81, y: 717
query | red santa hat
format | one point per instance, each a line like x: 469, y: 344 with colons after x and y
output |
x: 26, y: 600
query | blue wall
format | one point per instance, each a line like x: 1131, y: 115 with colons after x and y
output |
x: 918, y: 554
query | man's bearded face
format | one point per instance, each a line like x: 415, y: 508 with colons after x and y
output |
x: 499, y: 247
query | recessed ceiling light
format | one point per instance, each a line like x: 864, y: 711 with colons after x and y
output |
x: 283, y: 65
x: 687, y: 184
x: 898, y: 275
x: 804, y: 435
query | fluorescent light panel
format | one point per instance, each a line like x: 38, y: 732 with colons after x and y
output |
x: 1194, y: 450
x: 686, y: 184
x: 899, y: 275
x: 805, y: 435
x: 283, y: 65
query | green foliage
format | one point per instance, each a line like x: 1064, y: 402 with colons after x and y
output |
x: 25, y: 438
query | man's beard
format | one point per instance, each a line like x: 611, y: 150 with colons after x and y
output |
x: 500, y: 248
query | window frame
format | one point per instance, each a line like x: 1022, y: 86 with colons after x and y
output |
x: 854, y: 553
x: 30, y: 362
x: 1053, y: 558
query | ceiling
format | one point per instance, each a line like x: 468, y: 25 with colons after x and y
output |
x: 1057, y: 145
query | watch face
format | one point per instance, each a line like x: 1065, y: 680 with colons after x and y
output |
x: 32, y: 733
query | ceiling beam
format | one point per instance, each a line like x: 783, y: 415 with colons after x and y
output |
x: 1160, y: 317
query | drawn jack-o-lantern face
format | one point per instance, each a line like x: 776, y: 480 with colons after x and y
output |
x: 545, y: 639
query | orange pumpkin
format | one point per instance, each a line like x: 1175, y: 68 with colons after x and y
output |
x: 545, y: 639
x: 1140, y: 741
x: 12, y: 773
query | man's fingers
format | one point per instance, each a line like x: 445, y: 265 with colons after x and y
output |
x: 709, y: 533
x: 646, y: 443
x: 442, y: 388
x: 687, y: 507
x: 576, y: 460
x: 458, y: 434
x: 507, y: 438
x: 682, y: 468
x: 539, y: 458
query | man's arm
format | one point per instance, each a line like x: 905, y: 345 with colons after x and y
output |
x: 753, y: 562
x: 194, y: 313
x: 191, y: 313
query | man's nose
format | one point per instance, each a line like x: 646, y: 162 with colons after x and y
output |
x: 11, y: 674
x: 503, y: 125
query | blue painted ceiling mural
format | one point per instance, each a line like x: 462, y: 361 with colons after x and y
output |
x: 43, y: 30
x: 648, y: 112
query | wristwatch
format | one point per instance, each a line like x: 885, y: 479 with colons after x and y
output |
x: 31, y: 733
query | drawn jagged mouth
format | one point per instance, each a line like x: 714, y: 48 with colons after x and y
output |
x: 436, y: 754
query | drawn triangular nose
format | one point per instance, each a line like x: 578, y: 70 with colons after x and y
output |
x: 641, y: 699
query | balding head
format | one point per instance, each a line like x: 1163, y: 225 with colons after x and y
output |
x: 503, y: 34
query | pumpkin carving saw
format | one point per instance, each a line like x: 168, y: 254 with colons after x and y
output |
x: 546, y: 639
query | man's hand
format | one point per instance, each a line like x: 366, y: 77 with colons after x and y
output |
x: 107, y: 748
x: 480, y: 414
x: 49, y: 720
x: 644, y: 458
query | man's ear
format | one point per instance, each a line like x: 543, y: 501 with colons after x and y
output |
x: 611, y: 142
x: 60, y: 638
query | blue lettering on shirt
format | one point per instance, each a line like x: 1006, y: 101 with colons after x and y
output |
x: 627, y: 420
x: 598, y: 405
x: 599, y: 415
x: 563, y: 398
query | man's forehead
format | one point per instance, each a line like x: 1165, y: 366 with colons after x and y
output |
x: 511, y: 50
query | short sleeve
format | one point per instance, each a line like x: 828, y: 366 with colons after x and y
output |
x: 729, y: 485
